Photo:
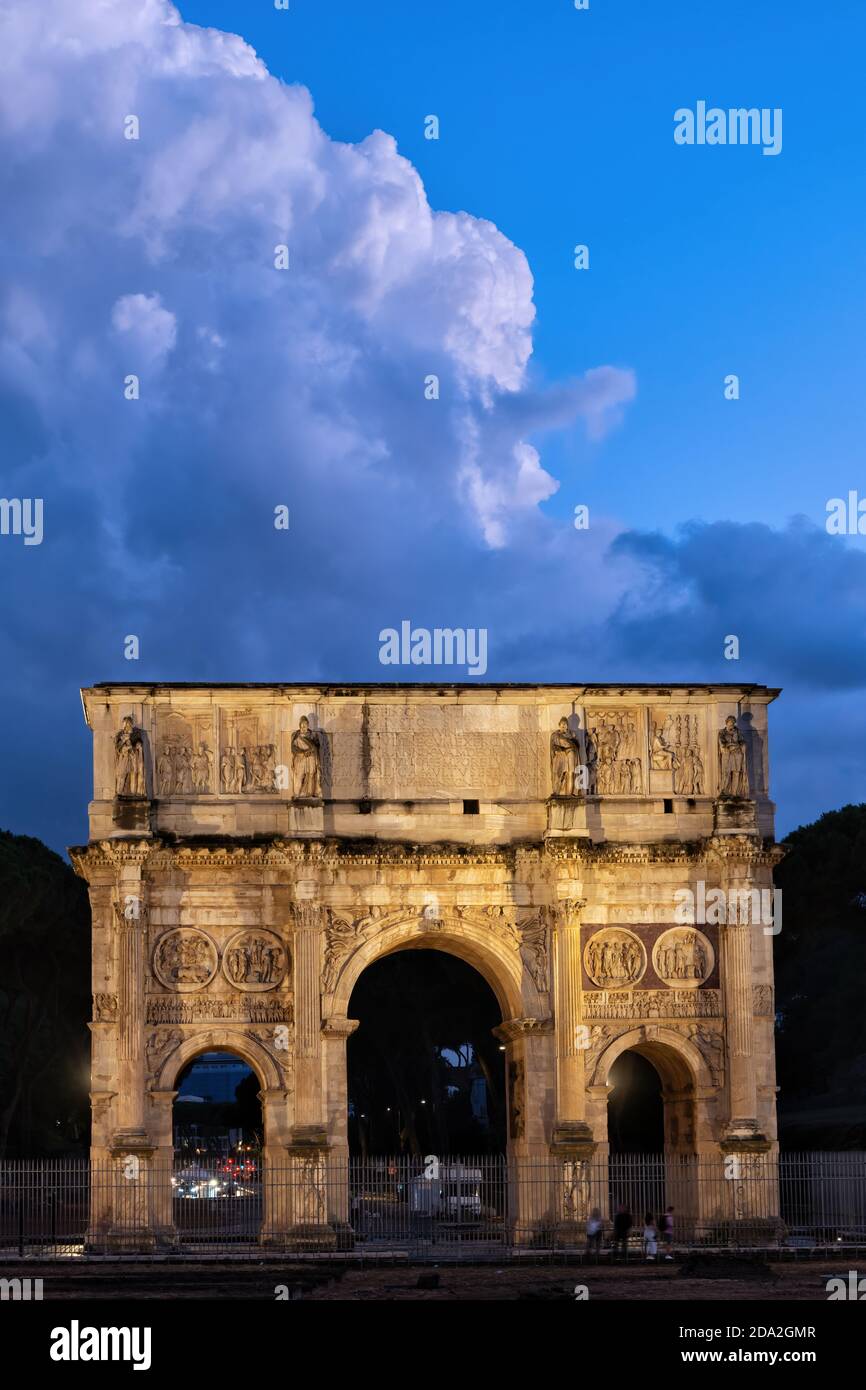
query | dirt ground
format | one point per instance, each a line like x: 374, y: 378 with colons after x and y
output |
x: 804, y: 1282
x: 796, y: 1281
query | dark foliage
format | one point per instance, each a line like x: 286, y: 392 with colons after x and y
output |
x: 820, y: 962
x: 44, y: 1002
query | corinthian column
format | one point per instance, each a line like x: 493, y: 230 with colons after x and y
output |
x: 736, y: 952
x: 131, y: 925
x: 571, y: 1130
x: 309, y: 1126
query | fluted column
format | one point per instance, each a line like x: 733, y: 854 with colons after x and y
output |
x: 736, y: 952
x: 131, y: 926
x: 309, y: 1115
x: 571, y: 1127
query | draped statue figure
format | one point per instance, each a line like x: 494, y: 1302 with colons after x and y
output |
x: 564, y: 758
x: 306, y: 760
x: 733, y: 774
x: 129, y: 761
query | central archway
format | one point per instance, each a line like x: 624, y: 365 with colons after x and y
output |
x: 425, y: 1072
x: 480, y: 942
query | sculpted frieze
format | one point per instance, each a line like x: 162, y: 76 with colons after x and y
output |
x: 711, y: 1045
x: 675, y: 747
x: 184, y: 754
x: 208, y: 1008
x: 762, y: 1001
x: 535, y: 948
x: 652, y: 1003
x: 247, y: 753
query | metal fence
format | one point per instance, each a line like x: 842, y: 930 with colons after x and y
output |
x: 488, y: 1207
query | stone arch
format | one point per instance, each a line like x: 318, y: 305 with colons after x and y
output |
x: 500, y: 966
x: 679, y: 1063
x: 217, y: 1039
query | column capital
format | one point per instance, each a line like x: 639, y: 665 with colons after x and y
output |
x: 566, y: 912
x: 513, y: 1028
x: 338, y: 1027
x: 307, y: 916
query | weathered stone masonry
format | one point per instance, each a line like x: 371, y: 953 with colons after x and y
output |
x: 253, y: 848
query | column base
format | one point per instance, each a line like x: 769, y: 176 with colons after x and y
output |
x: 572, y: 1139
x: 743, y: 1139
x: 308, y: 1140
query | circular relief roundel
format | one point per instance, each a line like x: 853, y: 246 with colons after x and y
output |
x: 683, y: 958
x: 614, y: 958
x: 255, y: 960
x: 185, y: 959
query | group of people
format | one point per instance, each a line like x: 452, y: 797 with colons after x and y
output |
x: 623, y: 1224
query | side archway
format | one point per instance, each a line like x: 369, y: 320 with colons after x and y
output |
x: 249, y: 1049
x: 676, y: 1058
x: 683, y: 1073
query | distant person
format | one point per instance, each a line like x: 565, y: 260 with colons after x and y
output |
x: 622, y: 1224
x: 650, y: 1236
x: 594, y: 1229
x: 666, y: 1230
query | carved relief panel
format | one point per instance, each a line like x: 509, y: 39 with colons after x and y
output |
x: 254, y: 961
x: 184, y: 763
x: 678, y: 756
x: 185, y: 959
x: 221, y: 974
x: 248, y: 753
x: 615, y: 751
x: 674, y: 975
x: 614, y: 958
x: 683, y: 958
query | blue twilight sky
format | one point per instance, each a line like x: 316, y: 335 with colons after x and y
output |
x: 411, y: 256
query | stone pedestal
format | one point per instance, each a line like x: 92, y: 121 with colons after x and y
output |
x: 309, y: 1185
x: 307, y: 818
x: 129, y: 1188
x: 732, y: 816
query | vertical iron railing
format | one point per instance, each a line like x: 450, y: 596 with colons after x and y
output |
x: 446, y: 1208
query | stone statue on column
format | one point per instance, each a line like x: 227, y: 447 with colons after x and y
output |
x: 733, y: 774
x: 129, y: 779
x: 564, y: 759
x: 306, y: 761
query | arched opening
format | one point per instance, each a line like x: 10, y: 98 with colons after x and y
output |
x: 652, y: 1079
x: 425, y: 1073
x: 635, y: 1109
x: 217, y: 1113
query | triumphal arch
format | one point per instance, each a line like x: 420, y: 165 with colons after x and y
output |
x: 602, y: 855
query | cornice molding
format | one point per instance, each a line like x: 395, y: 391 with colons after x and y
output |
x: 330, y: 855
